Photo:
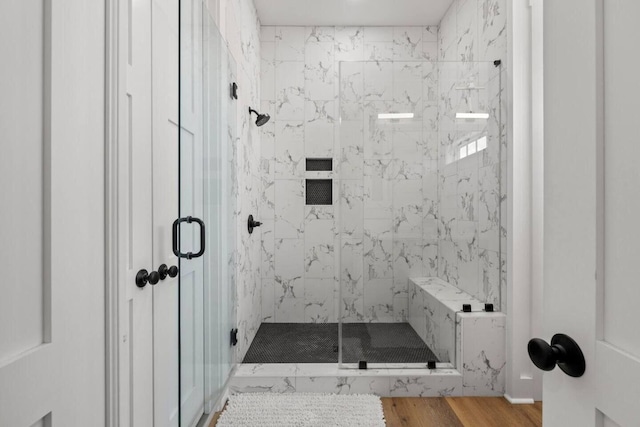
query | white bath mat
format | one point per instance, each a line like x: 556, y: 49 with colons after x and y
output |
x: 302, y: 409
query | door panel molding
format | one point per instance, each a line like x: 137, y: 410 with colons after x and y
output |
x: 617, y: 376
x: 55, y: 74
x: 114, y: 70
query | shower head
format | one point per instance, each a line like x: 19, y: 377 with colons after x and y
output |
x: 262, y: 118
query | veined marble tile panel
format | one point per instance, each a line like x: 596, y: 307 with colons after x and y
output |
x: 319, y: 71
x: 329, y: 378
x: 483, y: 353
x: 378, y: 300
x: 319, y: 128
x: 349, y: 43
x: 378, y: 78
x: 289, y: 43
x: 378, y: 51
x: 319, y: 300
x: 290, y: 90
x: 289, y: 208
x: 407, y: 43
x: 319, y: 34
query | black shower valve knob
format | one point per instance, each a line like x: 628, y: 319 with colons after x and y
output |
x: 251, y: 224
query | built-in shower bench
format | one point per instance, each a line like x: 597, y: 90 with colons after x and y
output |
x: 473, y: 342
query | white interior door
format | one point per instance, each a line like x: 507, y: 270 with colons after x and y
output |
x: 134, y: 217
x: 52, y: 144
x: 592, y: 204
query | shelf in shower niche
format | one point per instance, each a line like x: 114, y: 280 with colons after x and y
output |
x: 319, y: 192
x: 319, y: 164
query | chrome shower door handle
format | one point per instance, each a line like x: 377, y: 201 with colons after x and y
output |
x: 176, y: 243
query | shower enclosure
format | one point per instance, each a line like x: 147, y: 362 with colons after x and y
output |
x: 382, y: 212
x: 420, y: 190
x: 384, y: 237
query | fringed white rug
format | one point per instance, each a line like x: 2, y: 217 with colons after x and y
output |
x: 302, y: 409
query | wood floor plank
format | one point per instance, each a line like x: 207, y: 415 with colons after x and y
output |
x: 494, y: 412
x: 418, y: 412
x: 215, y: 418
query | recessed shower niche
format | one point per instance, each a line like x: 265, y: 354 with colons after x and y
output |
x: 319, y: 192
x: 319, y: 189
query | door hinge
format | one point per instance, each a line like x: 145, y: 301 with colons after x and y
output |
x: 234, y: 337
x: 233, y: 90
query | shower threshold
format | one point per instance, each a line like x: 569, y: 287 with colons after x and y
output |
x: 318, y: 343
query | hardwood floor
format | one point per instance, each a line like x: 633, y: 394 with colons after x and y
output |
x: 419, y: 412
x: 481, y: 412
x: 455, y: 412
x: 459, y: 412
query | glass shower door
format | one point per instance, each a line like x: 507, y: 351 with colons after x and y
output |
x: 204, y: 241
x: 420, y: 198
x: 219, y: 132
x: 192, y: 228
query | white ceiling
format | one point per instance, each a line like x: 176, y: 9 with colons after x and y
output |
x: 351, y: 12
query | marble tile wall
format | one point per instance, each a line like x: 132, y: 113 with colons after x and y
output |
x: 402, y: 211
x: 388, y: 206
x: 239, y: 25
x: 328, y: 378
x: 472, y: 191
x: 300, y: 89
x: 481, y: 353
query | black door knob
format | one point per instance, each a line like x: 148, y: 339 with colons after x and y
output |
x: 143, y: 277
x: 563, y: 351
x: 154, y: 277
x: 173, y: 271
x: 165, y: 271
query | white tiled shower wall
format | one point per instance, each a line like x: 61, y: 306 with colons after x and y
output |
x: 239, y: 25
x: 474, y: 243
x: 299, y: 73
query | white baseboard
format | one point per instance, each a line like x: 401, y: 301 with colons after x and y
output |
x: 518, y: 401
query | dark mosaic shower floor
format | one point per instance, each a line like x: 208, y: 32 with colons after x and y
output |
x: 318, y: 343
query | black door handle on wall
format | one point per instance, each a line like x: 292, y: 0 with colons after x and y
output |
x: 176, y: 244
x: 563, y: 351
